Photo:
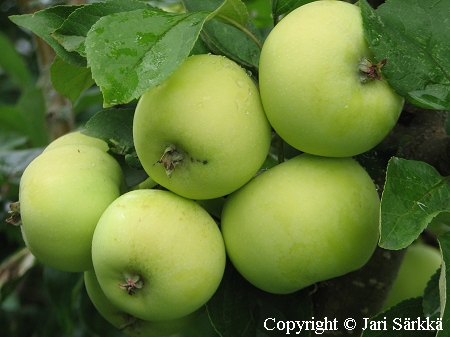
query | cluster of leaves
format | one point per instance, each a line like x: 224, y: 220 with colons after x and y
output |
x: 126, y: 47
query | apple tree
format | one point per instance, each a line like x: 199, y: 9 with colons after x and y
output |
x: 91, y: 67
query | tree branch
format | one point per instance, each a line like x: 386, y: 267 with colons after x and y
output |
x: 59, y: 116
x: 420, y: 135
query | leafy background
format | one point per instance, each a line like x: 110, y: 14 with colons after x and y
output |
x: 104, y: 63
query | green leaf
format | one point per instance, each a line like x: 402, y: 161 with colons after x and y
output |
x: 230, y: 309
x: 43, y: 23
x: 280, y: 7
x: 90, y: 100
x: 402, y: 320
x: 413, y: 195
x: 12, y: 63
x: 431, y: 298
x: 62, y: 288
x: 27, y: 116
x: 10, y: 140
x: 131, y: 52
x: 444, y: 283
x: 115, y: 126
x: 11, y: 118
x: 72, y: 33
x: 260, y: 12
x: 13, y: 163
x: 232, y: 12
x: 33, y: 108
x: 240, y: 309
x: 413, y: 37
x: 225, y: 39
x: 213, y: 206
x: 69, y: 80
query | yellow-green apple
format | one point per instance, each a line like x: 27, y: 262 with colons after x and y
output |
x: 303, y: 221
x: 127, y: 323
x: 157, y: 255
x: 78, y: 138
x: 321, y: 88
x: 421, y: 261
x: 63, y: 192
x: 202, y: 133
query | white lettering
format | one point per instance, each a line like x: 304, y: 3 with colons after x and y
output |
x: 265, y: 323
x: 397, y: 324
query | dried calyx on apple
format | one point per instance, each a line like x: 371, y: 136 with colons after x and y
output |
x: 174, y: 157
x: 370, y: 71
x: 15, y: 218
x: 132, y: 283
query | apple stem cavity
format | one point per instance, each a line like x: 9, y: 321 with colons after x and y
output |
x: 131, y: 285
x: 171, y: 158
x: 370, y: 71
x: 15, y: 218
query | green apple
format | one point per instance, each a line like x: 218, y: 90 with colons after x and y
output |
x: 77, y: 138
x: 303, y: 221
x: 62, y: 194
x: 420, y: 262
x: 127, y: 323
x: 202, y: 133
x: 319, y: 88
x: 157, y: 256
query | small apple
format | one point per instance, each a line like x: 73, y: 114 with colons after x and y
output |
x: 77, y: 138
x: 127, y: 323
x: 157, y: 256
x: 62, y: 194
x: 420, y: 262
x: 319, y: 88
x: 303, y: 221
x: 202, y: 133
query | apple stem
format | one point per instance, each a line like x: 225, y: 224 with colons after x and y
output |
x: 171, y: 158
x: 131, y: 285
x: 370, y: 71
x: 15, y: 217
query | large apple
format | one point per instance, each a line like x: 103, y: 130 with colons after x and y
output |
x: 157, y: 256
x: 127, y: 323
x: 319, y: 88
x: 303, y: 221
x: 202, y: 133
x: 63, y: 192
x: 421, y: 261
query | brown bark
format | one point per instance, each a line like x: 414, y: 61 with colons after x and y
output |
x: 420, y: 135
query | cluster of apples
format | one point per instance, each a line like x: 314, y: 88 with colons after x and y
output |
x: 315, y: 216
x: 153, y: 257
